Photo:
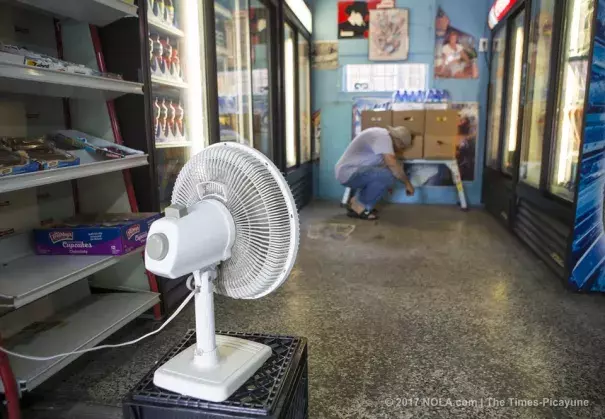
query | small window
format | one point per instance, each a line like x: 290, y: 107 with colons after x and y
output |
x: 384, y: 77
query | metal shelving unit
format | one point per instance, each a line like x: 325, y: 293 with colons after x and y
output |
x: 46, y: 177
x: 53, y: 290
x: 19, y: 78
x: 95, y: 12
x: 40, y: 276
x: 79, y: 327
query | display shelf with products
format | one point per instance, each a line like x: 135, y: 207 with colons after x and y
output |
x: 40, y: 275
x: 49, y: 119
x: 95, y: 12
x: 46, y: 177
x: 164, y: 16
x: 24, y: 79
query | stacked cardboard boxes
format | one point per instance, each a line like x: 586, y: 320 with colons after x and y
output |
x: 434, y: 132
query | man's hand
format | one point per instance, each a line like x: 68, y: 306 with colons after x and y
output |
x: 409, y: 189
x: 397, y: 169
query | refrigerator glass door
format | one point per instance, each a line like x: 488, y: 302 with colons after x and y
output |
x: 538, y: 79
x: 513, y: 95
x: 233, y: 58
x: 260, y: 21
x: 495, y: 96
x: 176, y: 87
x: 290, y: 93
x: 304, y: 94
x: 572, y: 87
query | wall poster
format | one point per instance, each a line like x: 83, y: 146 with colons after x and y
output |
x: 389, y: 34
x: 324, y: 55
x: 354, y: 18
x: 455, y: 51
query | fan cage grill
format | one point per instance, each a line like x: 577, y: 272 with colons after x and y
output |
x: 263, y: 211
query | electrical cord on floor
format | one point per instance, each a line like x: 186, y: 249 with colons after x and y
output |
x: 117, y: 345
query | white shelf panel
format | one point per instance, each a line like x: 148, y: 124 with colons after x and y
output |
x: 96, y: 12
x: 164, y: 28
x: 173, y: 144
x: 79, y: 327
x: 164, y: 81
x: 17, y: 78
x: 34, y: 276
x: 45, y: 177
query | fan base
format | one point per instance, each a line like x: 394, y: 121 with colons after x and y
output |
x: 239, y: 359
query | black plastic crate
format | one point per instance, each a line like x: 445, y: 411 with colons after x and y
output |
x: 278, y: 390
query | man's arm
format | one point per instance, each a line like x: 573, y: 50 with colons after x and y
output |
x: 397, y: 169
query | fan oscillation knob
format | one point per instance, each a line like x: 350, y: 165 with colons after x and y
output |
x: 157, y: 246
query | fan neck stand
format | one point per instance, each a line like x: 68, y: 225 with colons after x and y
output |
x: 216, y: 366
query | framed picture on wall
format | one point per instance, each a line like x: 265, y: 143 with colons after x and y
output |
x: 354, y: 18
x: 389, y: 34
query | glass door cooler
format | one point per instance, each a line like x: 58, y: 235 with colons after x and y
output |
x: 555, y: 156
x: 176, y: 73
x: 164, y: 50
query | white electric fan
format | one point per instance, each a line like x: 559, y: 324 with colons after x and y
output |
x: 233, y: 224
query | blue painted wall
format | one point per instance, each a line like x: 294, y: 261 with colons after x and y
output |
x: 336, y: 113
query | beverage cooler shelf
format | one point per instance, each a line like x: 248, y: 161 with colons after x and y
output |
x: 175, y: 144
x: 159, y: 26
x: 166, y: 82
x: 96, y: 12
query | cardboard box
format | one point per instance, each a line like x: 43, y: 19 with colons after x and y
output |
x: 107, y: 234
x: 416, y: 151
x: 440, y: 147
x: 412, y: 120
x: 441, y: 123
x: 372, y: 119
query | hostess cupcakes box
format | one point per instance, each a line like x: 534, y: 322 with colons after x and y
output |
x: 105, y: 234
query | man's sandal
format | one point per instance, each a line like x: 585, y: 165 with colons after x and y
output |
x: 373, y: 210
x: 365, y: 215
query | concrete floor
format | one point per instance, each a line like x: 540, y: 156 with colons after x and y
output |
x: 428, y: 302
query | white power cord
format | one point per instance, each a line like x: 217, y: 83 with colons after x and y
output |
x: 117, y: 345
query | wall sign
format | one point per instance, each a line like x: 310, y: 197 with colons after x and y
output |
x: 499, y: 10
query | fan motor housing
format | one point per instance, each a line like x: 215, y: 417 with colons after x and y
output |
x: 180, y: 244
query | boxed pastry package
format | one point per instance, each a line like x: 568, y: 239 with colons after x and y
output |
x: 42, y: 151
x: 89, y: 148
x: 90, y: 234
x: 15, y: 162
x: 13, y: 54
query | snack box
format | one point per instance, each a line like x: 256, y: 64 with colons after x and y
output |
x: 15, y: 163
x: 87, y: 234
x: 41, y: 151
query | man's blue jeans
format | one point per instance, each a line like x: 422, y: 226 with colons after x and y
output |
x: 371, y: 184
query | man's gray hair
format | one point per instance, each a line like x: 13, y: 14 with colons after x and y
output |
x: 402, y: 136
